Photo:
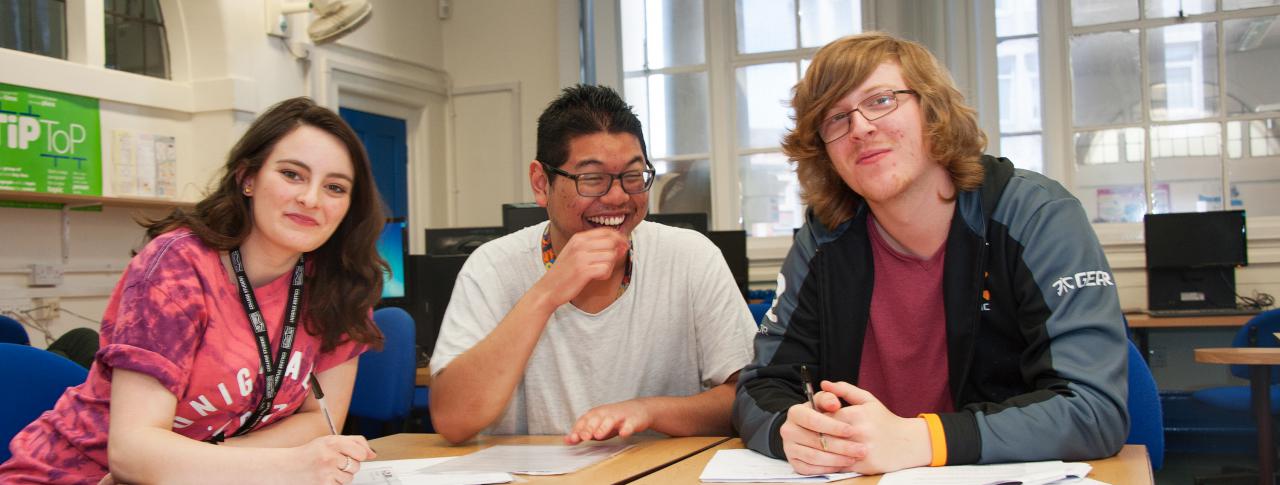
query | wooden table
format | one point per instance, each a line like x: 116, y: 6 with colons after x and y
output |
x: 1140, y: 323
x: 650, y: 453
x: 423, y: 377
x: 1259, y: 360
x: 1130, y: 466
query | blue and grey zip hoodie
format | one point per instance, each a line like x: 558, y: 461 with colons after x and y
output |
x: 1036, y: 344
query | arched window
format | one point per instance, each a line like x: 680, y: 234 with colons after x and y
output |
x: 136, y: 39
x: 35, y: 26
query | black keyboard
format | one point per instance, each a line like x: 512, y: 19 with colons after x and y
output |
x: 1204, y: 312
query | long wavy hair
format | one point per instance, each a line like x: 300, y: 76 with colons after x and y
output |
x: 951, y: 127
x: 345, y: 273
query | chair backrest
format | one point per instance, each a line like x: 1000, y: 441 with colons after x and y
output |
x: 1262, y: 328
x: 1146, y: 419
x: 384, y: 379
x: 35, y: 379
x: 11, y: 332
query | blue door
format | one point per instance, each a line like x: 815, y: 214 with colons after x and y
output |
x: 384, y: 139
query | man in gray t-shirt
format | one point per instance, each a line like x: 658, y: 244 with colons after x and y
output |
x: 594, y: 324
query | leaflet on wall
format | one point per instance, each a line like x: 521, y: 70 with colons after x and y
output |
x: 1127, y: 203
x: 49, y: 142
x: 144, y: 165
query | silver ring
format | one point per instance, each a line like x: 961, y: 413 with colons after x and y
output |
x: 346, y: 466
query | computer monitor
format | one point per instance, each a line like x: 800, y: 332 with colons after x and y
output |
x: 519, y: 215
x: 1196, y: 239
x: 433, y: 277
x: 1191, y: 259
x: 459, y: 240
x: 689, y: 220
x: 733, y: 245
x: 391, y: 247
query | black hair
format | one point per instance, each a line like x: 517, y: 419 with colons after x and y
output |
x: 583, y: 110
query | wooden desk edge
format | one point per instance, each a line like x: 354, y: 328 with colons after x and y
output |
x: 422, y: 377
x: 1239, y: 355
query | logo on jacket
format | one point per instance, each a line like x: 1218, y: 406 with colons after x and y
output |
x: 1082, y: 279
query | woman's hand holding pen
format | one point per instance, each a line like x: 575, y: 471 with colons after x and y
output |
x: 330, y: 459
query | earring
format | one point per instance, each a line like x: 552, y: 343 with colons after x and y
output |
x: 247, y: 190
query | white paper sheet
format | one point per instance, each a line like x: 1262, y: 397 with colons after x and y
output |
x: 741, y: 465
x: 409, y: 472
x: 1036, y: 473
x: 530, y: 459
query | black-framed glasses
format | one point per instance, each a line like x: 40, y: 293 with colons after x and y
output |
x: 873, y: 108
x: 596, y: 184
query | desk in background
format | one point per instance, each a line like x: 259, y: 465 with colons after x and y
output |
x: 1130, y: 466
x: 1140, y: 323
x: 423, y: 377
x: 1259, y: 360
x: 650, y: 453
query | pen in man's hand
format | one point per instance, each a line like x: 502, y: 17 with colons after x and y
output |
x: 319, y: 394
x: 808, y: 392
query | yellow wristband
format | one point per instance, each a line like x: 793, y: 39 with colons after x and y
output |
x: 937, y: 439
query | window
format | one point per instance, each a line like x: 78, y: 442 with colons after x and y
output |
x: 135, y: 37
x: 666, y: 64
x: 1018, y: 61
x: 35, y: 26
x: 1169, y: 108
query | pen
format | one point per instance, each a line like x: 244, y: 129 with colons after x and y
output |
x: 319, y: 394
x: 808, y: 392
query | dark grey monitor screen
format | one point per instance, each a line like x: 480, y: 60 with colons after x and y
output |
x: 1196, y: 239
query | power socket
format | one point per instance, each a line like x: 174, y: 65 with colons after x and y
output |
x: 45, y: 275
x: 47, y: 309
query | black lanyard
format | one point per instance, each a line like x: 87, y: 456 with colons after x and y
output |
x: 272, y: 374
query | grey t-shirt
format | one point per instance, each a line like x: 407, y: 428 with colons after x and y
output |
x: 681, y: 327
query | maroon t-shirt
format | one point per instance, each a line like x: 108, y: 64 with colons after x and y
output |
x: 904, y: 356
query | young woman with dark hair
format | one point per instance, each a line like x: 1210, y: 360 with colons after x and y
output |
x: 210, y: 338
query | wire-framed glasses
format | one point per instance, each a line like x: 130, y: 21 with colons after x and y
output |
x: 873, y: 108
x: 596, y: 184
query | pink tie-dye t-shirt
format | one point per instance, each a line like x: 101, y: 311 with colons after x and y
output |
x: 175, y: 316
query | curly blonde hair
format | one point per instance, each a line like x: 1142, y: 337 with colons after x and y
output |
x: 951, y: 127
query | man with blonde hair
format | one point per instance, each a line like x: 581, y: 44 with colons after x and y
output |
x: 955, y: 309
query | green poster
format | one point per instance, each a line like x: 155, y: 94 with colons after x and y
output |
x: 49, y: 142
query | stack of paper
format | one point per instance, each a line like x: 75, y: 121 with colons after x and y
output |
x: 1037, y: 473
x: 728, y: 466
x: 530, y: 459
x: 410, y: 472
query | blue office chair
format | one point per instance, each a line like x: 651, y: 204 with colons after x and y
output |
x: 384, y: 381
x: 36, y: 379
x: 12, y: 332
x: 1146, y: 418
x: 1256, y: 333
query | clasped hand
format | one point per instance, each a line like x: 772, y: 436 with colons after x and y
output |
x: 863, y: 437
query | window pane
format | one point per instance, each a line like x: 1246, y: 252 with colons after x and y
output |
x: 128, y: 46
x: 1024, y: 151
x: 822, y: 21
x: 152, y: 11
x: 1170, y: 8
x: 632, y: 34
x: 49, y: 28
x: 764, y: 113
x: 1091, y: 12
x: 770, y: 195
x: 681, y: 187
x: 1123, y: 145
x: 1186, y: 159
x: 1239, y: 4
x: 1251, y: 46
x: 1015, y: 17
x: 1184, y: 71
x: 1105, y: 81
x: 1255, y: 181
x: 766, y: 25
x: 674, y: 111
x: 157, y: 52
x: 673, y: 32
x: 1019, y: 64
